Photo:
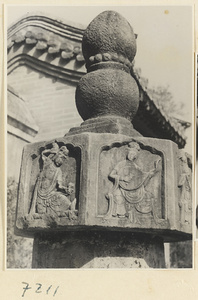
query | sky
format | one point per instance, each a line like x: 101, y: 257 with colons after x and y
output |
x: 164, y: 43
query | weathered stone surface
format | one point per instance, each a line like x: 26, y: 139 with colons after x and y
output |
x: 109, y: 37
x: 50, y: 183
x: 107, y: 92
x: 108, y: 89
x: 181, y: 254
x: 98, y: 250
x: 121, y: 183
x: 108, y: 124
x: 96, y: 198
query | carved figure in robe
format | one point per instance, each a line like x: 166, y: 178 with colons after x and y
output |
x: 128, y: 195
x: 50, y: 196
x: 186, y: 187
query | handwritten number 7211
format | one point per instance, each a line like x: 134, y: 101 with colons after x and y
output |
x: 38, y: 289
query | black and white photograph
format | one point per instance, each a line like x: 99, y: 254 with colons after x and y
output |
x: 100, y: 137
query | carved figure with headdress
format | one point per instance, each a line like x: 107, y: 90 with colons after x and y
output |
x: 50, y: 196
x: 128, y: 194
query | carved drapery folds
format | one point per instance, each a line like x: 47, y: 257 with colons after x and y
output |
x: 51, y: 185
x: 185, y: 189
x: 132, y: 193
x: 50, y: 196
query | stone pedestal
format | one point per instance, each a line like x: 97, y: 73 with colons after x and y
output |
x: 117, y: 182
x: 128, y: 196
x: 98, y: 250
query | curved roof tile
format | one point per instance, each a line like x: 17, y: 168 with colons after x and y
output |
x: 55, y: 47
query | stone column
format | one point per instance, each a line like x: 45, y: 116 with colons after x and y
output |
x: 103, y: 196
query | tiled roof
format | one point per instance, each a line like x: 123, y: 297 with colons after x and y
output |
x: 47, y: 45
x: 42, y: 40
x: 54, y: 47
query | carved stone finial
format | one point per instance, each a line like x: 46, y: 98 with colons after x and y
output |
x: 108, y: 89
x: 109, y: 37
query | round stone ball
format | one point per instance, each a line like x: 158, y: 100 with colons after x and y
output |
x: 107, y: 92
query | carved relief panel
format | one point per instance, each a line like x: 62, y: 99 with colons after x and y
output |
x: 185, y: 189
x: 131, y: 181
x: 50, y: 188
x: 91, y: 181
x: 54, y: 189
